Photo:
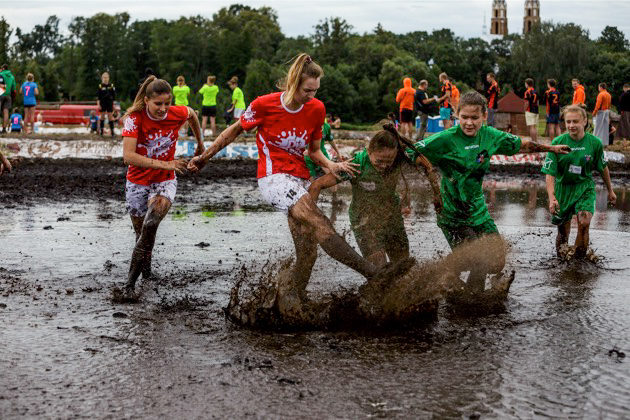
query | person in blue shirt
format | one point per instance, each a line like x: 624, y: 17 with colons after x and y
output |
x: 93, y: 122
x: 29, y: 90
x: 16, y: 121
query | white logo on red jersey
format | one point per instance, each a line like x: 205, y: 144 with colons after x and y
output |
x: 158, y: 145
x: 130, y: 123
x: 291, y: 142
x: 249, y: 114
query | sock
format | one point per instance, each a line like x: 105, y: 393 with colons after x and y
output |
x: 336, y: 247
x: 102, y: 126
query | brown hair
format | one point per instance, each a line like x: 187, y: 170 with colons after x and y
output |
x: 491, y: 75
x: 303, y: 67
x: 576, y: 80
x: 423, y: 82
x: 575, y: 108
x: 233, y: 80
x: 473, y: 98
x: 212, y: 79
x: 551, y: 82
x: 387, y: 138
x: 529, y: 82
x: 30, y: 77
x: 151, y: 87
x: 180, y: 78
x: 443, y: 76
x: 602, y: 85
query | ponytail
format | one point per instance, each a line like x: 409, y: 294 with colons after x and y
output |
x: 151, y: 87
x: 303, y: 67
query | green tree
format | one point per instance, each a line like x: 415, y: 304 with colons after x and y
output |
x: 613, y: 39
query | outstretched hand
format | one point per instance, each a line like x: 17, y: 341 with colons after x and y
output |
x: 179, y: 165
x: 196, y: 164
x: 345, y: 166
x: 561, y: 149
x: 5, y: 165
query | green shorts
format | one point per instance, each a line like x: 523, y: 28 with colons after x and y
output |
x: 573, y: 199
x: 389, y: 236
x: 456, y: 235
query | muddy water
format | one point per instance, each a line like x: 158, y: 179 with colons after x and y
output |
x: 68, y: 352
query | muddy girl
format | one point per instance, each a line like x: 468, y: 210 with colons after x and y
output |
x: 151, y: 128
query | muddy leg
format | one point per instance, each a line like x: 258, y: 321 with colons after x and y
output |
x: 563, y: 236
x: 307, y: 212
x: 305, y: 254
x: 137, y: 227
x: 582, y: 239
x: 158, y: 207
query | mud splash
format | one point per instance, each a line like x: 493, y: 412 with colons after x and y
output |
x: 266, y: 298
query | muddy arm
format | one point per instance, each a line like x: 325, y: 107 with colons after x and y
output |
x: 335, y: 168
x: 320, y: 184
x: 130, y: 157
x: 226, y: 137
x: 528, y: 146
x: 193, y: 120
x: 434, y: 180
x: 550, y: 182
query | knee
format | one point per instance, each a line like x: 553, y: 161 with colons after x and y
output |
x: 584, y: 221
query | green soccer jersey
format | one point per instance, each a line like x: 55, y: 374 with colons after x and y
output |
x: 574, y: 185
x: 576, y: 167
x: 209, y: 95
x: 326, y: 136
x: 9, y: 82
x: 374, y: 195
x: 181, y: 94
x: 237, y: 95
x: 463, y: 162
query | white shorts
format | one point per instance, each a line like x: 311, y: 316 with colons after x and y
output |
x: 283, y: 190
x: 531, y: 118
x: 138, y: 196
x: 238, y: 112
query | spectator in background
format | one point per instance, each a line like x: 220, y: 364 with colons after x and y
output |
x: 531, y: 112
x: 422, y: 102
x: 552, y: 99
x: 601, y: 114
x: 623, y: 133
x: 105, y: 102
x: 579, y: 95
x: 8, y: 92
x: 29, y: 90
x: 445, y: 101
x: 405, y: 98
x: 392, y: 117
x: 209, y: 105
x: 93, y: 122
x: 238, y: 99
x: 454, y: 97
x: 181, y: 91
x: 492, y: 96
x: 16, y: 121
x: 336, y: 122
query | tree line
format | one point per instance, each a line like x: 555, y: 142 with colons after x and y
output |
x: 362, y: 71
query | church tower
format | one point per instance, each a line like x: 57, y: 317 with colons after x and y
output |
x: 532, y: 15
x: 498, y: 23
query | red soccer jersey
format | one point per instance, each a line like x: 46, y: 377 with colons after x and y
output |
x: 283, y: 135
x: 157, y: 139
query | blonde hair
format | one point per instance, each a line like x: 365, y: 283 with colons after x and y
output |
x: 181, y: 79
x: 575, y: 108
x: 30, y: 77
x: 151, y: 87
x: 443, y: 76
x: 303, y: 67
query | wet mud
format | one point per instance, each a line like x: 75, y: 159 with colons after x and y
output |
x: 553, y: 349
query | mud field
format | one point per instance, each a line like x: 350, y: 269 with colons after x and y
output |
x: 67, y: 351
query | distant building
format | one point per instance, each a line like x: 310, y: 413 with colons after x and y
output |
x: 531, y: 16
x: 498, y: 21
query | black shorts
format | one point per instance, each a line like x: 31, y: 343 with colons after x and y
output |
x: 209, y: 111
x: 16, y: 130
x: 105, y: 107
x: 5, y: 102
x: 29, y: 106
x: 406, y: 115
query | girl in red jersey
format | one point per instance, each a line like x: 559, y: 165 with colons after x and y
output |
x: 150, y: 133
x: 287, y: 123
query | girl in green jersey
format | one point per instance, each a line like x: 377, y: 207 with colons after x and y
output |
x: 570, y: 184
x: 462, y: 154
x: 375, y: 210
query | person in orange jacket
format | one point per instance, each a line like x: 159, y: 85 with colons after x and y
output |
x: 405, y: 98
x: 601, y: 114
x: 579, y: 96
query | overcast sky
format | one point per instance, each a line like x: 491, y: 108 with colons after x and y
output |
x: 464, y: 17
